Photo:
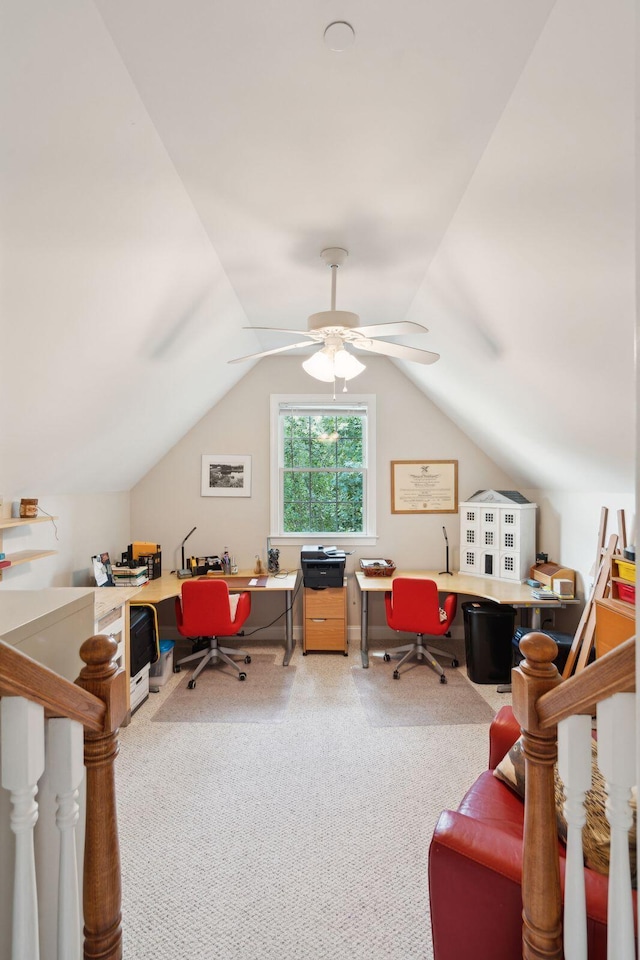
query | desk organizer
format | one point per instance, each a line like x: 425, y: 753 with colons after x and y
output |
x: 378, y: 568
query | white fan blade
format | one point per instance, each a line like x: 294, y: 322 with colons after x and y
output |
x: 396, y: 329
x: 294, y: 333
x: 269, y: 353
x: 397, y: 350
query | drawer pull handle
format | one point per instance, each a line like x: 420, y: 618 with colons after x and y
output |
x: 318, y: 619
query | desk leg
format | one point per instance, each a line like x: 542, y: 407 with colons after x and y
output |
x: 536, y: 618
x: 364, y: 627
x: 289, y: 641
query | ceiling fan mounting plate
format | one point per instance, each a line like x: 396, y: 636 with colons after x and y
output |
x: 334, y: 256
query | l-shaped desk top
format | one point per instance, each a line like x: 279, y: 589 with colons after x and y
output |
x: 168, y: 585
x: 514, y: 594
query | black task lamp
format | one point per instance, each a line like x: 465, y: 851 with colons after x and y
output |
x: 183, y: 572
x: 447, y: 571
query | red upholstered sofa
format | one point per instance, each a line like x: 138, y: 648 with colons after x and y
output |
x: 475, y: 869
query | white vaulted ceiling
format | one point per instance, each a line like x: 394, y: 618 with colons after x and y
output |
x: 171, y: 172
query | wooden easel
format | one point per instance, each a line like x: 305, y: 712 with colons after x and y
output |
x: 585, y: 633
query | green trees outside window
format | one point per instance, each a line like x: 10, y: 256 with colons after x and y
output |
x: 324, y: 461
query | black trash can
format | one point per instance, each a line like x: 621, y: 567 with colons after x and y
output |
x: 488, y: 632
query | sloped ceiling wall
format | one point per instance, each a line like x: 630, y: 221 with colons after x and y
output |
x: 477, y: 160
x: 104, y: 256
x: 531, y: 293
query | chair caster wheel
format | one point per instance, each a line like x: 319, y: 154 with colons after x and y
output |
x: 177, y: 669
x: 247, y: 659
x: 242, y: 676
x: 455, y: 663
x: 304, y: 653
x: 191, y: 684
x: 443, y: 679
x: 386, y: 658
x: 396, y: 675
x: 345, y: 654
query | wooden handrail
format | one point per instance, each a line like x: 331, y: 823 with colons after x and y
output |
x: 98, y: 701
x: 20, y: 676
x: 541, y: 699
x: 610, y: 674
x: 102, y: 888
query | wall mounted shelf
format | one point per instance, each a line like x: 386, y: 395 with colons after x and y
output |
x: 22, y: 556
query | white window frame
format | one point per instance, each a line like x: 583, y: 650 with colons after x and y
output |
x: 277, y: 536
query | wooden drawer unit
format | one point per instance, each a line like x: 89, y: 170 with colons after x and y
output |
x: 615, y: 623
x: 325, y: 619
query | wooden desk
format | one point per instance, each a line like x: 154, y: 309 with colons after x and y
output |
x: 168, y: 586
x: 498, y: 591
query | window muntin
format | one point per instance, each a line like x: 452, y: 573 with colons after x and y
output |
x: 322, y: 480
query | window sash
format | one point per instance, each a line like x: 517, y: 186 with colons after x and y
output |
x: 309, y: 406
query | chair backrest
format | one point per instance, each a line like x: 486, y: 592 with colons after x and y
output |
x: 204, y: 611
x: 414, y: 606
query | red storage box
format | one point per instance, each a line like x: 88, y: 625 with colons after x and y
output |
x: 627, y: 592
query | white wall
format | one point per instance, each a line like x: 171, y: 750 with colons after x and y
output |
x: 568, y: 527
x: 166, y: 504
x: 86, y: 524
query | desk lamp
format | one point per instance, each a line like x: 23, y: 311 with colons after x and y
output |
x: 446, y: 540
x: 183, y: 572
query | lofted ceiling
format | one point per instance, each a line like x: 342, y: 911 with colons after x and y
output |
x: 171, y: 172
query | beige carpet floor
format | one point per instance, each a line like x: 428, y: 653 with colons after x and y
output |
x: 417, y: 698
x: 220, y: 697
x: 300, y: 840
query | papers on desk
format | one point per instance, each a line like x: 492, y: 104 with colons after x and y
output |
x: 543, y: 595
x: 258, y: 581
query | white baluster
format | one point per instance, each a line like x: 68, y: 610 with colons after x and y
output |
x: 574, y: 767
x: 65, y: 754
x: 616, y: 759
x: 22, y: 766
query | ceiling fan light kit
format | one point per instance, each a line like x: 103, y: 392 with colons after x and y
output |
x: 334, y: 329
x: 333, y: 363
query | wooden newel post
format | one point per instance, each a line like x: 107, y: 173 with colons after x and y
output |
x: 102, y: 893
x: 541, y: 899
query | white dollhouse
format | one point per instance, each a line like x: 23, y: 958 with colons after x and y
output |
x: 497, y: 535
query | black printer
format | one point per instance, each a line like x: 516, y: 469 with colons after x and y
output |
x: 322, y: 567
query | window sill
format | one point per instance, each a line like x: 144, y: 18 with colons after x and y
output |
x: 300, y: 539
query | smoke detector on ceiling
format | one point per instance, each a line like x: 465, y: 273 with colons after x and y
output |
x: 339, y: 36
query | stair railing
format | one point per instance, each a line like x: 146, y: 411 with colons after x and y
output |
x: 552, y: 711
x: 38, y: 708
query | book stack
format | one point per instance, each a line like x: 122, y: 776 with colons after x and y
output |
x: 130, y: 576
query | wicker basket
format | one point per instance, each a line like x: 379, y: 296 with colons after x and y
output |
x: 382, y: 568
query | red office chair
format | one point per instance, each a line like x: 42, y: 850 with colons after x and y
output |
x: 203, y: 613
x: 413, y: 606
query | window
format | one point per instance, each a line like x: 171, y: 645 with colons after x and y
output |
x: 323, y: 483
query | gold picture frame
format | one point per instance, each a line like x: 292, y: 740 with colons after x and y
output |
x: 424, y: 486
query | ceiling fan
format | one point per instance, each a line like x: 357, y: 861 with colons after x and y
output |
x: 337, y: 328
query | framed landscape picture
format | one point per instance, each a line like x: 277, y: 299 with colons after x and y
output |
x: 225, y: 475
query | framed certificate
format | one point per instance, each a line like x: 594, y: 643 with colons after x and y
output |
x: 424, y: 486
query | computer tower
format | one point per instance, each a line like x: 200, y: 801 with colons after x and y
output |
x: 143, y: 649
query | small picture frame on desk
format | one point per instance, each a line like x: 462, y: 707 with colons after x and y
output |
x: 225, y: 475
x: 424, y: 486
